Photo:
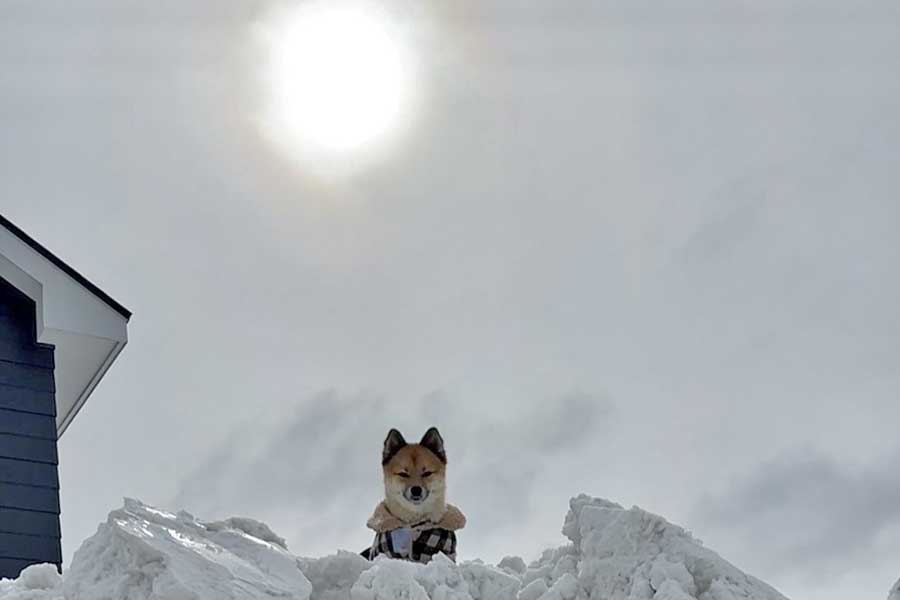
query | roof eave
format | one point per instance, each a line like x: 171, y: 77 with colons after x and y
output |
x: 63, y: 266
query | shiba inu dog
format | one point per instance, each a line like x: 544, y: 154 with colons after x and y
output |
x: 414, y: 521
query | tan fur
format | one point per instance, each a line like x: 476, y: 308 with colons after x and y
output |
x: 424, y: 469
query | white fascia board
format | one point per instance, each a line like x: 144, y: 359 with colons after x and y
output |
x: 88, y: 334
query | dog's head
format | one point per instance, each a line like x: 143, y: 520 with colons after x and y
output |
x: 414, y: 473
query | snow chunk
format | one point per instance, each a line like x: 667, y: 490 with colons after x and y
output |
x: 142, y: 553
x: 894, y: 594
x: 250, y: 527
x: 36, y: 582
x: 392, y: 579
x: 670, y: 590
x: 552, y: 565
x: 333, y: 576
x: 575, y: 519
x: 40, y: 577
x: 664, y: 570
x: 439, y: 579
x: 489, y: 583
x: 533, y: 590
x: 635, y: 555
x: 513, y: 563
x: 565, y: 588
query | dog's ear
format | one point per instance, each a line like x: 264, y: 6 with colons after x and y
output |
x: 434, y: 442
x: 392, y: 444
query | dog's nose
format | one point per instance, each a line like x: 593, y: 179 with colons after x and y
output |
x: 416, y: 491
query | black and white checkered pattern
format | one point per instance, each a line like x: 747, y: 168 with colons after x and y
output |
x: 426, y: 544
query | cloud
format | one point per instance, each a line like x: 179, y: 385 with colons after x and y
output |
x: 316, y: 475
x: 816, y: 516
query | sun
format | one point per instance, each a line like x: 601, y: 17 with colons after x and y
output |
x: 337, y: 77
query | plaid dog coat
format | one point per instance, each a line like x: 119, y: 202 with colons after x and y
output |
x: 414, y: 544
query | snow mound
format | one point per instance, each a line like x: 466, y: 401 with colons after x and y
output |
x: 440, y: 579
x: 37, y: 582
x: 333, y: 576
x: 619, y: 554
x: 141, y: 553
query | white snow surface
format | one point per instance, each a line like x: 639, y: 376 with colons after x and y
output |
x: 142, y: 553
x: 894, y: 594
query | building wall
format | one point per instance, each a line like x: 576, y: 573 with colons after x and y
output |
x: 29, y: 485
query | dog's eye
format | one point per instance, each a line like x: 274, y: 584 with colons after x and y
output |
x: 404, y: 475
x: 427, y: 473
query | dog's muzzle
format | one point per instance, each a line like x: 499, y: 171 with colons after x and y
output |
x: 415, y: 494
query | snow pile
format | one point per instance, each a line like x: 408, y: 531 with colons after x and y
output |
x: 37, y: 582
x: 390, y: 579
x: 333, y: 576
x: 634, y: 555
x: 440, y: 579
x: 142, y: 553
x: 615, y: 554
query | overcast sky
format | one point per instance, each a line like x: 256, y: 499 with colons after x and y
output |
x: 644, y: 251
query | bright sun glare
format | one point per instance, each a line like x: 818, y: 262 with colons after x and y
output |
x: 338, y: 77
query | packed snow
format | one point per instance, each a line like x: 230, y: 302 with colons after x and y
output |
x: 142, y: 553
x: 894, y: 594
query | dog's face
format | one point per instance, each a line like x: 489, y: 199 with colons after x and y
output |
x: 414, y: 473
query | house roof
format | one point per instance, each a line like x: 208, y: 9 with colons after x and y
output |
x: 85, y: 326
x: 60, y: 264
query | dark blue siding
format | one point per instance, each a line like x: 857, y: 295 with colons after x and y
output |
x: 39, y: 357
x: 29, y: 522
x: 30, y: 547
x: 39, y: 379
x: 13, y: 565
x: 17, y: 398
x: 28, y: 448
x: 27, y: 472
x: 23, y: 423
x: 31, y: 497
x: 29, y: 483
